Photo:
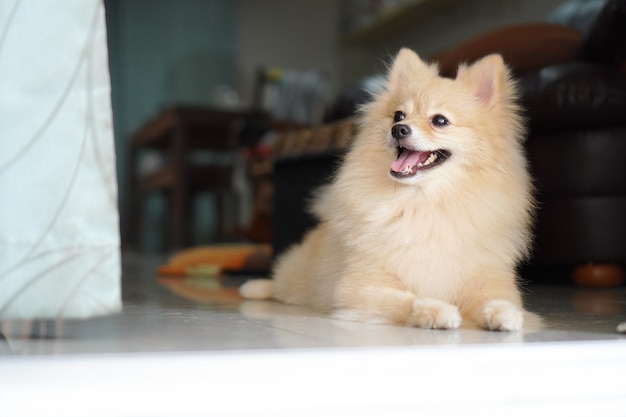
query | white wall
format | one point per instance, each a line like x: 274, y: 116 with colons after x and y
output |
x: 296, y: 35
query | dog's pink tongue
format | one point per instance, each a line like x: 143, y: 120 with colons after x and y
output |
x: 407, y: 159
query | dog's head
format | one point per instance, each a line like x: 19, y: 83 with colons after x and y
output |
x: 431, y: 122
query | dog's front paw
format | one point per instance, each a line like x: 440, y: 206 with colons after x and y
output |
x: 501, y: 315
x: 429, y: 313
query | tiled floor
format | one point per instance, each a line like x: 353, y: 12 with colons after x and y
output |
x: 180, y: 340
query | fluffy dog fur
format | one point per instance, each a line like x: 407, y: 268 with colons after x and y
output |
x: 425, y: 246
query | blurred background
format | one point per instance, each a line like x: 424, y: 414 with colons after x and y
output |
x: 266, y: 67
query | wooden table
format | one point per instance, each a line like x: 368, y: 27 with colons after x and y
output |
x: 177, y: 132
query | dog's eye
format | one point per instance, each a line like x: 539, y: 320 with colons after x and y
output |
x: 439, y: 121
x: 398, y: 116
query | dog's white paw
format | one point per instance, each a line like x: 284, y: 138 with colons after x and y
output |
x: 501, y: 315
x: 429, y: 313
x: 257, y: 289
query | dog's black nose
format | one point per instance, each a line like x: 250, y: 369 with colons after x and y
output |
x: 400, y: 131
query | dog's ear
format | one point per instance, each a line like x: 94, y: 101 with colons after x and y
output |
x: 487, y: 77
x: 405, y: 66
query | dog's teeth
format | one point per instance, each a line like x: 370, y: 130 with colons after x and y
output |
x: 432, y: 158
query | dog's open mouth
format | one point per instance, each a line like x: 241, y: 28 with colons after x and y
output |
x: 410, y: 162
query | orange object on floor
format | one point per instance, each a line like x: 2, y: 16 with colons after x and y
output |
x: 232, y: 257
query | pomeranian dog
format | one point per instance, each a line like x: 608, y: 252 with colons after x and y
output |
x: 429, y: 213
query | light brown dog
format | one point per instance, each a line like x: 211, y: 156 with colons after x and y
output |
x: 430, y: 212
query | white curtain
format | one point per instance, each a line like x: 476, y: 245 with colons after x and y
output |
x: 59, y: 235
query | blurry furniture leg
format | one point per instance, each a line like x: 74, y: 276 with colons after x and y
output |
x: 180, y: 187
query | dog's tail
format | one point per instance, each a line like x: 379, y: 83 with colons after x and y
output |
x: 257, y: 289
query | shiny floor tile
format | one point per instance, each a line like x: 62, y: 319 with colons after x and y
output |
x: 189, y: 348
x: 193, y: 315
